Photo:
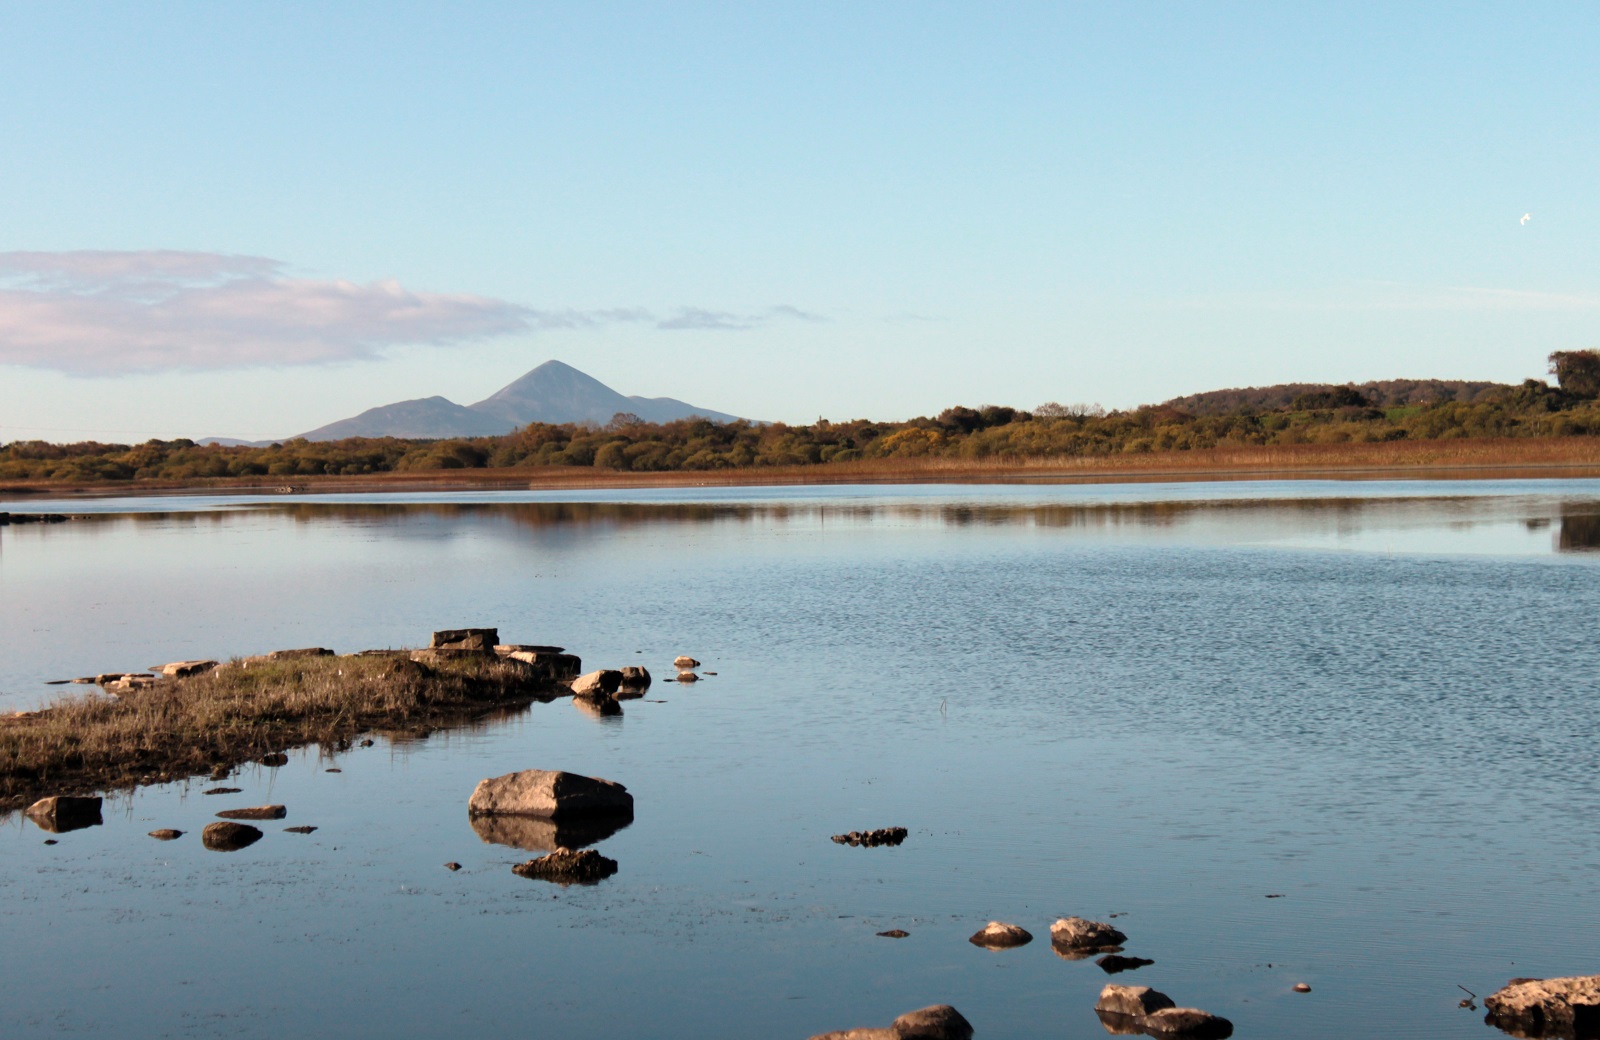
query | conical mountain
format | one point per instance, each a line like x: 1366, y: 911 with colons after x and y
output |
x: 551, y: 393
x: 558, y: 393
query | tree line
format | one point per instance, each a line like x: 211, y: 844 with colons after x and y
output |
x: 1313, y: 415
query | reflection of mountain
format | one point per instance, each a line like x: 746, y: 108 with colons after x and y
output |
x: 536, y: 834
x: 1580, y: 532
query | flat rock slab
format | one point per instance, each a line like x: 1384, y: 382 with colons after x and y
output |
x: 229, y: 837
x: 484, y: 639
x: 184, y: 669
x: 507, y: 649
x: 568, y: 867
x: 59, y: 813
x: 258, y: 812
x: 1561, y: 1007
x: 549, y: 793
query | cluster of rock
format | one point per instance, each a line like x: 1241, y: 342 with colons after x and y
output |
x: 872, y: 839
x: 7, y: 519
x: 1134, y: 1010
x: 534, y: 804
x: 937, y: 1022
x: 1564, y: 1007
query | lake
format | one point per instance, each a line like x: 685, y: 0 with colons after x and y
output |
x: 1374, y: 703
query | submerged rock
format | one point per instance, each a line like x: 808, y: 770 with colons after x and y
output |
x: 60, y: 813
x: 1113, y: 964
x: 997, y: 935
x: 452, y: 866
x: 229, y: 837
x: 1561, y: 1007
x: 166, y: 834
x: 936, y: 1022
x: 568, y: 867
x: 257, y: 812
x: 872, y: 839
x: 549, y: 793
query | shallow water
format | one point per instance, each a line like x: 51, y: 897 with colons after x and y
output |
x: 1168, y: 702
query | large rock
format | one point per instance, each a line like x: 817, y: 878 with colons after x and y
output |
x: 568, y: 867
x: 229, y: 837
x: 602, y: 683
x: 1190, y: 1023
x: 635, y: 677
x: 556, y: 667
x: 997, y: 935
x: 484, y: 639
x: 61, y: 812
x: 1077, y: 933
x: 938, y: 1022
x: 537, y: 834
x: 549, y: 793
x: 1563, y: 1007
x: 1133, y: 1001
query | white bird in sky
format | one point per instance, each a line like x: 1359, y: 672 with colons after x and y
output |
x: 1525, y: 218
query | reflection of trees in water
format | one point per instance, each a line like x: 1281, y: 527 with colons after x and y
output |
x: 1579, y: 532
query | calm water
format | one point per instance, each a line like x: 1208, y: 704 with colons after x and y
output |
x: 1377, y: 700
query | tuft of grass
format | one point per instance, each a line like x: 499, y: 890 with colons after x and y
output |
x: 245, y: 710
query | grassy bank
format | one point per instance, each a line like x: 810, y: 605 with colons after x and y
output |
x: 1463, y: 458
x: 238, y: 713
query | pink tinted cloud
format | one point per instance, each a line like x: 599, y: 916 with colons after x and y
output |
x: 111, y: 313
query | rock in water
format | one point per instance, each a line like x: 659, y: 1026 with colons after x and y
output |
x: 258, y: 812
x: 872, y: 839
x: 635, y: 678
x: 1133, y: 1001
x: 484, y: 639
x: 549, y: 793
x: 1113, y: 963
x: 61, y: 812
x: 1546, y: 1007
x: 938, y: 1022
x: 1077, y: 933
x: 229, y: 837
x: 602, y: 683
x: 568, y: 867
x: 997, y: 935
x: 685, y: 663
x: 1190, y: 1023
x: 688, y: 677
x: 166, y: 834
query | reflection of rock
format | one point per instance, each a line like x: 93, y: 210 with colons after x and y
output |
x: 258, y: 812
x: 1580, y: 532
x: 938, y: 1022
x: 599, y: 707
x: 60, y: 813
x: 277, y: 758
x: 688, y: 677
x: 1564, y: 1007
x: 1133, y: 1001
x: 550, y: 793
x: 1119, y: 1025
x: 997, y: 935
x: 1077, y: 933
x: 568, y: 867
x: 603, y: 682
x: 536, y: 834
x: 229, y: 837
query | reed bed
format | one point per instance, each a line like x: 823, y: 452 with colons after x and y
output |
x: 240, y: 712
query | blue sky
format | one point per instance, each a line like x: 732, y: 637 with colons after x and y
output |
x: 251, y: 219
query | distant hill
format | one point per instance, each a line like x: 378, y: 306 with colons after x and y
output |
x: 552, y: 393
x: 1382, y: 393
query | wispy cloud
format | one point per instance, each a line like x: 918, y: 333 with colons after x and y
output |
x: 108, y: 313
x: 114, y: 312
x: 1397, y: 296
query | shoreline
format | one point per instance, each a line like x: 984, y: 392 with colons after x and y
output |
x: 1486, y: 459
